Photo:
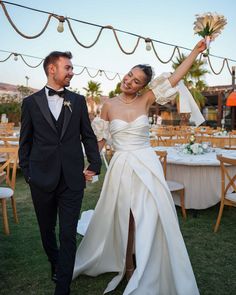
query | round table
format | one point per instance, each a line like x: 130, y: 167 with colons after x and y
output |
x: 200, y: 175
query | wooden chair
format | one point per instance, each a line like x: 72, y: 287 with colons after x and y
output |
x: 174, y: 186
x: 6, y: 129
x: 154, y: 142
x: 9, y: 141
x: 174, y: 141
x: 163, y: 136
x: 8, y: 170
x: 228, y: 186
x: 231, y: 142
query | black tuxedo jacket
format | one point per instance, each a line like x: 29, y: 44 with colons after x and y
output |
x: 43, y: 154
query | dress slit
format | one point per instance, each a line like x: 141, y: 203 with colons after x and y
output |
x: 130, y: 252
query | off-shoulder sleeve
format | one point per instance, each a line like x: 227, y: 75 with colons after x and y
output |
x: 100, y: 128
x: 162, y: 89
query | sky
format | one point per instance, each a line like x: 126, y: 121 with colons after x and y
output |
x: 167, y: 21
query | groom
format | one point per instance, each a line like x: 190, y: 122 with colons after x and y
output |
x: 54, y: 124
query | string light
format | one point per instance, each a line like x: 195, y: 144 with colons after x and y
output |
x: 15, y: 56
x: 204, y: 59
x: 60, y: 27
x: 84, y: 68
x: 149, y: 42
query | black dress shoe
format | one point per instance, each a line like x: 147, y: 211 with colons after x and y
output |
x: 54, y: 273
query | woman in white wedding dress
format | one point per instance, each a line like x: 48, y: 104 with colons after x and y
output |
x: 135, y: 212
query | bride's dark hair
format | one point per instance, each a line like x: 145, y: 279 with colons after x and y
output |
x: 148, y: 71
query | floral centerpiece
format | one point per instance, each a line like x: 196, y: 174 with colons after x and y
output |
x: 223, y: 132
x: 209, y: 26
x: 194, y: 148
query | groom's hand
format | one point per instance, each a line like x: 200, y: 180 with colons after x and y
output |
x: 88, y: 174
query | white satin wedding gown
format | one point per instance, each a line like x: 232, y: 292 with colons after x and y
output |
x: 135, y: 181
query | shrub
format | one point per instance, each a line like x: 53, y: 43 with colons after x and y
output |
x: 12, y: 110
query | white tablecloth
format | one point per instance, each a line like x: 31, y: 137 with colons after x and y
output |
x: 200, y: 175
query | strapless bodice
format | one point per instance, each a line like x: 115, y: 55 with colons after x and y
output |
x: 128, y: 136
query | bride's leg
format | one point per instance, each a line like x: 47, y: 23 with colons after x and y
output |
x: 130, y: 247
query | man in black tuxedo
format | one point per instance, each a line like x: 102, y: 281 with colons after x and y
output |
x: 54, y: 125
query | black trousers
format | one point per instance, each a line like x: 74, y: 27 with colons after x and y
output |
x: 65, y: 204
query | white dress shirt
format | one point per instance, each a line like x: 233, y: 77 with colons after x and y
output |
x: 55, y: 103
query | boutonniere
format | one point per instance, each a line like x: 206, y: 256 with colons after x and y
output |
x: 67, y: 103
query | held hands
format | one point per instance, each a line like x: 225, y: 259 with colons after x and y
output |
x: 89, y: 175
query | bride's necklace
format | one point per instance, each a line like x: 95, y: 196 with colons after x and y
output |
x: 127, y: 102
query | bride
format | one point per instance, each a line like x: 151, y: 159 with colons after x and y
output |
x: 134, y: 230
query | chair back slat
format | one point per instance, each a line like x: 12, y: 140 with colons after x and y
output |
x: 163, y: 159
x: 10, y: 164
x: 228, y: 185
x: 9, y: 141
x: 227, y: 179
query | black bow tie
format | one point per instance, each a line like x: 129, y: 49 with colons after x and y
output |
x: 54, y: 92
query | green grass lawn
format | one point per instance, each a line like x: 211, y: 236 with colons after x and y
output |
x: 24, y: 269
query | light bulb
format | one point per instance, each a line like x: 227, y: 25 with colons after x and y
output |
x: 61, y: 20
x: 205, y: 60
x: 148, y: 44
x: 15, y: 56
x: 60, y: 27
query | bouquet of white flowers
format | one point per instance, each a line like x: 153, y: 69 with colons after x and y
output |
x: 209, y: 26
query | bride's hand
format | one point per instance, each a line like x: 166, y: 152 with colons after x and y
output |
x: 201, y: 46
x: 88, y: 174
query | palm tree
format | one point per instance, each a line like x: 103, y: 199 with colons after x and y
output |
x: 93, y: 90
x: 193, y: 79
x: 93, y: 94
x: 115, y: 92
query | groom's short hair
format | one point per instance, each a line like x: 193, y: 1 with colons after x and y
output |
x: 53, y: 57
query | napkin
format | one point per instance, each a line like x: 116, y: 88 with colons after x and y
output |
x: 187, y: 104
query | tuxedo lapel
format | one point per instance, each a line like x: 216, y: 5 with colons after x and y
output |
x: 68, y: 112
x: 42, y: 102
